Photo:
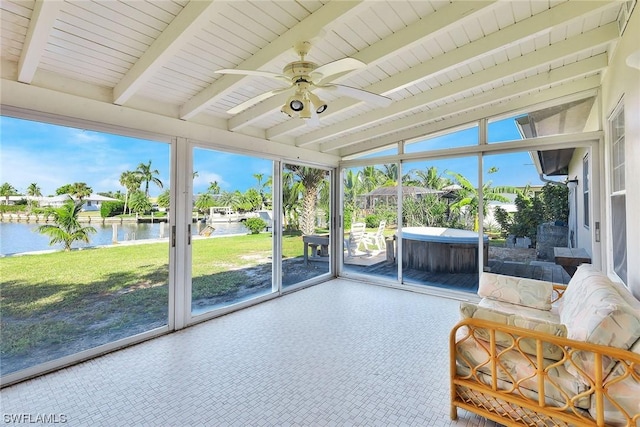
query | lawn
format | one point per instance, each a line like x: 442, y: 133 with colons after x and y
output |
x: 63, y: 302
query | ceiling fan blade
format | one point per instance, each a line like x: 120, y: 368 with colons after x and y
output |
x: 253, y: 101
x: 362, y: 95
x: 255, y: 73
x: 326, y: 72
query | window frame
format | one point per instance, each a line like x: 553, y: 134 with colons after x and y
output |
x: 617, y: 191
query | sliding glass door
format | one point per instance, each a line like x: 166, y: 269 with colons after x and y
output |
x: 370, y: 212
x: 85, y: 248
x: 440, y: 224
x: 306, y: 231
x: 231, y: 229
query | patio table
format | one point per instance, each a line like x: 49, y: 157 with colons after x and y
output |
x: 315, y: 240
x: 571, y: 258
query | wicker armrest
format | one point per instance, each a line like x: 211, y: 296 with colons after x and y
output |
x: 496, y: 390
x: 558, y: 291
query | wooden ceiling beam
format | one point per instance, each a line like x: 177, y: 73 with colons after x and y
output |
x: 499, y: 102
x: 496, y: 73
x: 192, y: 18
x: 43, y: 17
x: 425, y: 28
x: 305, y: 29
x: 525, y: 29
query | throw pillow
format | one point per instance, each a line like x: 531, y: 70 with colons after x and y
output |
x: 516, y: 290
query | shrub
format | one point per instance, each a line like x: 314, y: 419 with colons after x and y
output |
x: 504, y: 219
x: 347, y: 216
x: 556, y: 202
x: 10, y: 208
x: 255, y: 225
x: 109, y: 209
x: 372, y: 221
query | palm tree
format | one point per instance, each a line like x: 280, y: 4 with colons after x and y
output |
x: 139, y: 202
x: 353, y: 187
x: 468, y: 196
x: 214, y: 187
x: 33, y: 191
x: 131, y: 181
x: 371, y: 178
x: 430, y: 179
x: 67, y: 228
x: 80, y: 190
x: 164, y: 199
x: 65, y: 189
x: 204, y: 202
x: 291, y: 190
x: 7, y: 190
x: 311, y: 180
x: 261, y: 187
x: 390, y: 175
x: 230, y: 198
x: 148, y: 175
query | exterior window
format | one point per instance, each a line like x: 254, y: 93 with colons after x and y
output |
x: 618, y: 193
x: 61, y: 302
x: 585, y: 189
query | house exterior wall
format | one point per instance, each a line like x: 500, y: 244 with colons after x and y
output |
x: 622, y: 80
x: 584, y: 235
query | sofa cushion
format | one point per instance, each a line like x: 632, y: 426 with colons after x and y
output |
x: 526, y: 345
x: 594, y: 312
x: 552, y: 315
x: 516, y: 290
x: 624, y: 292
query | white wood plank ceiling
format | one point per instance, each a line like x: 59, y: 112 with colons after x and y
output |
x: 436, y: 60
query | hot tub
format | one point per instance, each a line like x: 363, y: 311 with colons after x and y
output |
x: 442, y: 250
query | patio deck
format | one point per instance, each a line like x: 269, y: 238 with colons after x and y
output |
x: 467, y: 282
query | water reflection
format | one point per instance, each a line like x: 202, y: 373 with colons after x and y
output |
x: 19, y: 237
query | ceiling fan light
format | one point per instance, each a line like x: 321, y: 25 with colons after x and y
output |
x: 296, y: 104
x: 318, y: 104
x: 287, y: 110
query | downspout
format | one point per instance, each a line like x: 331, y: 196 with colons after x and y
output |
x: 543, y: 179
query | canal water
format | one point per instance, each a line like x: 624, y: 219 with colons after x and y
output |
x: 19, y: 237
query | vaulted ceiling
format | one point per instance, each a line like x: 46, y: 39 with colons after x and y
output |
x: 442, y: 63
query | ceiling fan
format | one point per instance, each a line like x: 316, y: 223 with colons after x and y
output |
x: 304, y: 77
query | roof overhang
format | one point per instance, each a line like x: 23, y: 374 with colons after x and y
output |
x: 557, y: 120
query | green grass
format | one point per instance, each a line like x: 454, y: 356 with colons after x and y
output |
x: 49, y: 301
x: 497, y: 242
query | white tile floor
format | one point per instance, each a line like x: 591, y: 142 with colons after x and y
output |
x: 340, y: 353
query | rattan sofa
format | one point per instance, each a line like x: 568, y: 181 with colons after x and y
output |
x: 537, y: 354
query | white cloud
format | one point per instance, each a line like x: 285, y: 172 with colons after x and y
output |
x: 21, y: 168
x: 203, y: 180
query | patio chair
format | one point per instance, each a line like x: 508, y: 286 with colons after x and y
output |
x: 352, y: 243
x: 375, y: 239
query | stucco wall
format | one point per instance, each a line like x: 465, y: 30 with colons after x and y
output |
x: 622, y: 80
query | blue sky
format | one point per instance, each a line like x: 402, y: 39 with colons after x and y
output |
x: 515, y: 169
x: 52, y: 156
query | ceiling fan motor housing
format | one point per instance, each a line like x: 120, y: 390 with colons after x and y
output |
x: 305, y: 76
x: 299, y: 68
